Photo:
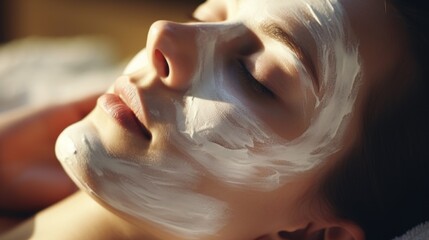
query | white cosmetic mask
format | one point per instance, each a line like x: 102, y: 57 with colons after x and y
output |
x: 217, y: 132
x: 157, y: 192
x: 242, y: 151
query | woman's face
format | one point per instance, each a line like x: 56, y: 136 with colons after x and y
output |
x: 218, y: 127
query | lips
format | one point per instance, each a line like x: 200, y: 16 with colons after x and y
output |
x: 125, y: 107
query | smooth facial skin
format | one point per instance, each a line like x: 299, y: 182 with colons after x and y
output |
x: 240, y: 112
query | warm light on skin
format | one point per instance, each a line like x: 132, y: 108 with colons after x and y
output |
x: 213, y: 131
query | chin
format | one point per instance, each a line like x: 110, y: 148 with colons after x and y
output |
x: 76, y: 147
x: 161, y: 193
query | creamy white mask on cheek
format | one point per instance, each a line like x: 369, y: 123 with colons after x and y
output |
x: 223, y: 133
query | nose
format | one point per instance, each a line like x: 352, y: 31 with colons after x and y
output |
x: 172, y: 50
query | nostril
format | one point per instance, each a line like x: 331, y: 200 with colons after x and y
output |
x: 162, y: 64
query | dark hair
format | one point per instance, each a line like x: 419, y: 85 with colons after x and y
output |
x: 382, y: 184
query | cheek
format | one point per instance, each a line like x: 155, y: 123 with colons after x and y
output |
x: 290, y: 113
x: 218, y: 123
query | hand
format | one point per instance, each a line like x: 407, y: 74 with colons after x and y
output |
x: 31, y: 178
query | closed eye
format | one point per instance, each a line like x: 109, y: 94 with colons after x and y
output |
x: 252, y: 82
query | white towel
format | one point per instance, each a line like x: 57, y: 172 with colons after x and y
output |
x: 420, y: 232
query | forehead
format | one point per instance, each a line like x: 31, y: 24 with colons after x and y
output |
x: 376, y: 27
x: 306, y: 19
x: 370, y: 9
x: 274, y: 7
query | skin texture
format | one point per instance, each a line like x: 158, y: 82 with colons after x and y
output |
x: 189, y: 177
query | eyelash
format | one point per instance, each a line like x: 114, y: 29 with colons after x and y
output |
x: 252, y: 82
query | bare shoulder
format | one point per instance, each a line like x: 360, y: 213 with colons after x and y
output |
x: 46, y: 224
x: 61, y: 220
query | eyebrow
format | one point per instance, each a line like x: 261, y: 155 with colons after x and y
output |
x: 275, y: 32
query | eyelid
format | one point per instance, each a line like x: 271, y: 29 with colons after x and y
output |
x: 255, y: 82
x: 276, y: 32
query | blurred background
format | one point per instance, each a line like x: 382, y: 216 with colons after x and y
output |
x: 56, y: 50
x: 125, y: 22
